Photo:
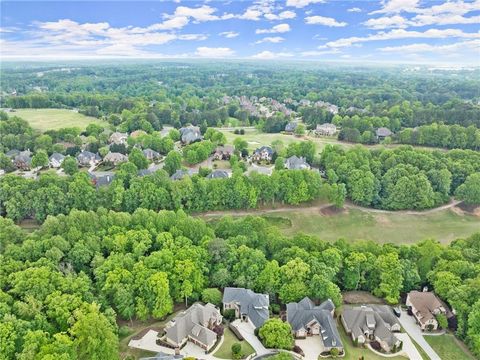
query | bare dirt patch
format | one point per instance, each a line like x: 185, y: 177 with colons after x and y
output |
x: 332, y: 210
x: 382, y: 219
x: 470, y: 209
x: 360, y: 297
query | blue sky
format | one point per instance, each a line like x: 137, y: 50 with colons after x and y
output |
x: 385, y: 31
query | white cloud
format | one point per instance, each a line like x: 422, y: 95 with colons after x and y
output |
x: 302, y: 3
x: 229, y: 34
x: 251, y: 14
x: 401, y: 34
x: 268, y: 55
x: 217, y: 52
x: 280, y: 28
x: 314, y: 53
x: 355, y: 9
x: 447, y: 49
x: 322, y: 20
x: 200, y: 14
x: 271, y: 39
x: 284, y: 15
x: 396, y: 6
x: 386, y: 22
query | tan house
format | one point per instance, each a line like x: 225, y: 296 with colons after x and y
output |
x: 118, y: 138
x: 115, y: 158
x: 195, y: 324
x: 326, y: 129
x: 372, y: 323
x: 425, y: 306
x: 223, y: 152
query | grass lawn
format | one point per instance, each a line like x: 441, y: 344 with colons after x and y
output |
x: 355, y: 224
x: 225, y: 351
x: 422, y: 352
x: 354, y: 353
x: 448, y: 348
x: 52, y: 119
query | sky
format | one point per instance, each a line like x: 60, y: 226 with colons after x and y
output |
x: 410, y: 31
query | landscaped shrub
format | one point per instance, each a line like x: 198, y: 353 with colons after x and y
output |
x: 236, y: 350
x: 275, y: 308
x: 334, y: 352
x: 442, y: 321
x: 229, y: 314
x: 212, y: 295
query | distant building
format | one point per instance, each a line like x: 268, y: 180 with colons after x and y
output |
x: 223, y: 152
x: 195, y: 324
x: 115, y: 158
x: 137, y: 133
x: 383, y: 132
x: 296, y: 163
x: 264, y: 153
x: 56, y: 159
x: 100, y: 179
x: 151, y: 154
x: 12, y: 153
x: 87, y: 158
x: 180, y: 174
x: 248, y: 305
x: 307, y: 319
x: 326, y: 129
x: 290, y: 127
x: 425, y: 306
x: 23, y: 161
x: 118, y: 138
x: 372, y: 323
x: 190, y: 134
x: 218, y: 174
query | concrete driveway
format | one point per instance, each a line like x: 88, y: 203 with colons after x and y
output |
x: 411, y: 327
x: 248, y: 332
x: 312, y: 346
x: 409, y: 347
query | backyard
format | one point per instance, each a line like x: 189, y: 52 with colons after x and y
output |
x: 53, y: 119
x: 448, y: 348
x: 225, y: 351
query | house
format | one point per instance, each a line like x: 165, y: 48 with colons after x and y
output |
x: 56, y: 160
x: 333, y: 109
x: 180, y: 174
x: 137, y: 133
x: 115, y: 158
x: 101, y: 178
x: 425, y: 306
x: 87, y: 158
x: 248, y: 305
x: 23, y: 161
x: 118, y: 138
x: 151, y: 154
x: 218, y: 174
x: 12, y: 153
x: 290, y: 127
x: 264, y: 153
x: 296, y: 163
x: 190, y: 134
x: 195, y: 324
x: 383, y: 132
x: 223, y: 152
x: 372, y: 323
x: 326, y: 129
x: 306, y: 319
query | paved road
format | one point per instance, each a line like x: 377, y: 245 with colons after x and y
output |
x: 409, y: 347
x: 411, y: 327
x: 247, y: 330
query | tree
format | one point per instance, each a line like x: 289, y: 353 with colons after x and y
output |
x: 40, y: 159
x: 300, y: 130
x: 69, y: 165
x: 322, y: 289
x: 212, y: 295
x: 136, y: 156
x: 94, y: 336
x: 174, y: 134
x: 240, y: 144
x: 236, y: 350
x: 279, y: 163
x: 162, y: 302
x: 173, y: 162
x: 442, y: 321
x: 391, y: 279
x: 293, y: 275
x: 474, y: 328
x: 469, y: 191
x: 276, y: 334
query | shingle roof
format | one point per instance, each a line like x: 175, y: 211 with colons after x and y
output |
x: 384, y: 132
x: 218, y: 174
x: 267, y: 149
x: 254, y: 305
x: 190, y: 134
x: 296, y: 163
x: 302, y: 313
x: 57, y: 156
x: 291, y: 126
x: 425, y: 303
x: 180, y: 174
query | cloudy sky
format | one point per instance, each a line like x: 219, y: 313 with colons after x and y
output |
x: 369, y: 30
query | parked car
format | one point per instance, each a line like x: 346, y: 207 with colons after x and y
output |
x: 396, y: 311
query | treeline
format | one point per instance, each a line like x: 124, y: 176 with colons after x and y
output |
x: 63, y: 285
x: 439, y: 135
x: 51, y: 194
x: 402, y: 178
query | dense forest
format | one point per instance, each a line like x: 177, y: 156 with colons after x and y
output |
x: 63, y: 286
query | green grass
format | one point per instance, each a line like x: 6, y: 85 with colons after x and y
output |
x: 53, y: 119
x: 225, y: 351
x: 447, y: 347
x: 422, y: 352
x: 354, y: 353
x: 355, y: 224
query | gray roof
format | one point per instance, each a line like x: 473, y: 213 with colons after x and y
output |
x: 180, y: 174
x: 87, y: 156
x: 150, y: 154
x: 12, y: 153
x: 384, y: 132
x: 254, y: 305
x: 57, y: 156
x: 291, y: 126
x: 302, y: 313
x: 296, y: 163
x: 193, y: 322
x: 23, y: 159
x: 218, y: 174
x: 357, y: 320
x: 190, y: 134
x: 102, y: 178
x: 267, y: 149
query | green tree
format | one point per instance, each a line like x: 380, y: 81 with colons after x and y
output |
x: 276, y: 334
x: 322, y: 288
x: 469, y: 191
x: 391, y: 279
x: 173, y: 162
x: 212, y: 295
x: 474, y: 328
x: 69, y: 165
x: 136, y: 156
x: 40, y: 159
x: 300, y: 130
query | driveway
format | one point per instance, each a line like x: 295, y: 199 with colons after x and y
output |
x: 408, y: 347
x: 411, y: 327
x: 247, y: 330
x: 312, y: 346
